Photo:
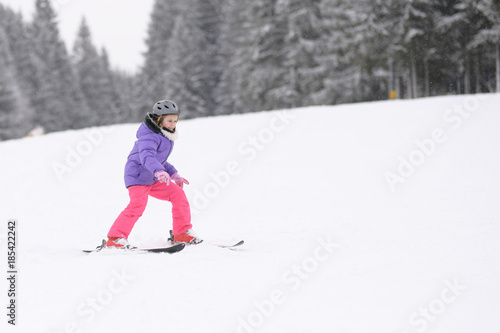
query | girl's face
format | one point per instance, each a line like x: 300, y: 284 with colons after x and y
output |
x: 170, y: 121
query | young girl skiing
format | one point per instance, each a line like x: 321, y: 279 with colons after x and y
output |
x: 147, y: 173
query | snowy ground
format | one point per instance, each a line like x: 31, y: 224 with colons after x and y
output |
x: 365, y: 218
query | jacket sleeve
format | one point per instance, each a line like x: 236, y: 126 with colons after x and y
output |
x: 170, y: 168
x: 148, y: 146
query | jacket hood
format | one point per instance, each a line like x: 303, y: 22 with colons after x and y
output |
x: 150, y: 124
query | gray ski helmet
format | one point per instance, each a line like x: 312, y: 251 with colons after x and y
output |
x: 166, y: 107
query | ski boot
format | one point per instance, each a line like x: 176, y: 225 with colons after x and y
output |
x: 118, y: 243
x: 186, y: 238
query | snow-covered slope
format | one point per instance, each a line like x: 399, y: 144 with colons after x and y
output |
x: 365, y: 218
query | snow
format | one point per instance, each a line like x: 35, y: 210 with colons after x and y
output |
x: 370, y: 217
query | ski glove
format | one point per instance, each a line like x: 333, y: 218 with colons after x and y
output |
x: 162, y: 177
x: 179, y: 180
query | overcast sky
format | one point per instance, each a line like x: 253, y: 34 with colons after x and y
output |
x: 118, y: 25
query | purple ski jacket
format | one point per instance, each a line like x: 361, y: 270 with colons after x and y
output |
x: 148, y: 156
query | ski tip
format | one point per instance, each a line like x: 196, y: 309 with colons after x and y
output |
x: 231, y: 247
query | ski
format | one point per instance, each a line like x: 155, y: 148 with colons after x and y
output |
x: 230, y: 246
x: 170, y: 249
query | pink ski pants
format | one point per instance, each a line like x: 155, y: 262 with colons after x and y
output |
x: 139, y: 194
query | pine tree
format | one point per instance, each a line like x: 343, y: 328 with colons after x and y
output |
x: 418, y: 24
x: 209, y: 22
x: 458, y: 23
x: 96, y: 80
x: 8, y: 105
x: 8, y: 108
x: 258, y: 60
x: 58, y: 102
x: 16, y: 115
x: 20, y: 36
x: 339, y: 54
x: 194, y: 76
x: 14, y: 118
x: 151, y: 84
x: 125, y: 85
x: 490, y: 36
x: 302, y: 46
x: 230, y: 31
x: 381, y: 45
x: 183, y: 81
x: 88, y: 70
x: 115, y: 105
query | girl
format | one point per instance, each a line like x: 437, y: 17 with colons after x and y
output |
x: 147, y: 173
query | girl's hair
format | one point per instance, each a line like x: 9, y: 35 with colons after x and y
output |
x: 159, y: 120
